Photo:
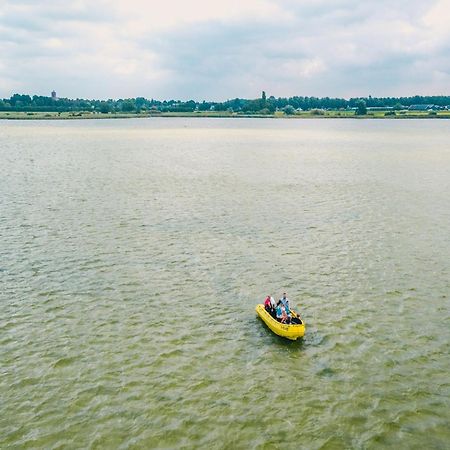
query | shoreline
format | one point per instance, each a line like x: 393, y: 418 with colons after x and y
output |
x: 11, y: 115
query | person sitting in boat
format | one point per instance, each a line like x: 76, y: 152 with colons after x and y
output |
x: 274, y: 307
x: 272, y: 302
x: 269, y: 305
x: 288, y: 313
x: 279, y: 313
x: 296, y: 320
x: 283, y: 313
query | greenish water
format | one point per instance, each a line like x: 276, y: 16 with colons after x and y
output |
x: 133, y: 253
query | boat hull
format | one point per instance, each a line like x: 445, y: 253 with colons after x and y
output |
x: 291, y: 331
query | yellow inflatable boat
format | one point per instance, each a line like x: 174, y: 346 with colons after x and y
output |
x: 291, y: 331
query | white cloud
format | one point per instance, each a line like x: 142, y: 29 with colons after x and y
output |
x: 221, y: 49
x: 304, y: 68
x: 53, y: 43
x: 143, y: 15
x: 438, y: 17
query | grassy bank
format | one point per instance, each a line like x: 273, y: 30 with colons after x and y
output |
x: 299, y: 115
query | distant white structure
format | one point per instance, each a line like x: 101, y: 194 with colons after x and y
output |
x: 54, y: 97
x: 422, y: 107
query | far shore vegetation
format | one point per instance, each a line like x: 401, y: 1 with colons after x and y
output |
x: 23, y: 106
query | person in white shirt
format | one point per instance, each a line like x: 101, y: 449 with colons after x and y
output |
x: 285, y: 300
x: 272, y: 302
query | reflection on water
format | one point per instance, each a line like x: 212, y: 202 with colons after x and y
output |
x: 133, y: 254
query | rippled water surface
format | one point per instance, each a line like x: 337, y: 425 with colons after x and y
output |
x: 133, y: 253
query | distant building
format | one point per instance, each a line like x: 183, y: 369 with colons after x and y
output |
x: 421, y: 107
x: 54, y: 97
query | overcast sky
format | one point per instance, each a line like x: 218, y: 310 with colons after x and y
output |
x: 220, y: 49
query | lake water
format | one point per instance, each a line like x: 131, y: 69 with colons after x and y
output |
x: 133, y: 253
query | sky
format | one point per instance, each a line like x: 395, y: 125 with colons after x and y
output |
x: 222, y: 49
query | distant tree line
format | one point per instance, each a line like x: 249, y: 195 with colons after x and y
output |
x: 263, y: 105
